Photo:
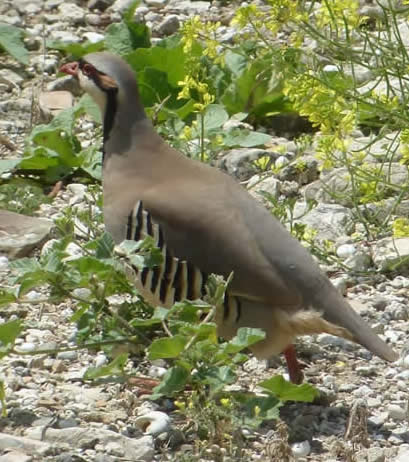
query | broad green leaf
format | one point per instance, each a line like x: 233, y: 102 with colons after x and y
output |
x: 11, y: 41
x: 87, y: 104
x: 31, y: 280
x: 215, y: 116
x: 258, y: 408
x: 169, y: 347
x: 118, y: 39
x: 153, y: 86
x: 76, y: 50
x: 245, y: 337
x: 218, y: 377
x: 287, y: 391
x: 9, y: 331
x: 7, y: 165
x: 91, y: 161
x: 174, y: 380
x: 236, y: 62
x: 115, y: 367
x: 168, y: 60
x: 25, y: 265
x: 6, y: 297
x: 105, y: 246
x: 158, y: 316
x: 256, y: 90
x: 3, y: 399
x: 245, y: 138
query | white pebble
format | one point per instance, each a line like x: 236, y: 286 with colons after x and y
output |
x: 330, y: 68
x: 405, y: 362
x: 346, y: 250
x: 301, y: 449
x: 74, y: 251
x: 26, y: 347
x: 100, y: 360
x: 153, y: 422
x: 281, y: 162
x: 82, y: 292
x: 395, y: 412
x: 156, y: 371
x: 33, y: 295
x: 4, y: 262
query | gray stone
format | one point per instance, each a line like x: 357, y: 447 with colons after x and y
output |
x: 72, y: 13
x: 403, y: 456
x: 10, y: 78
x: 93, y: 37
x: 395, y: 412
x: 19, y: 234
x: 257, y: 187
x: 238, y: 162
x: 121, y: 5
x: 330, y: 221
x: 27, y: 445
x: 157, y: 3
x: 15, y: 456
x: 67, y: 83
x: 101, y: 5
x: 391, y: 253
x: 53, y: 102
x: 335, y: 186
x: 169, y: 25
x: 64, y: 36
x: 187, y: 7
x: 12, y: 20
x: 132, y: 449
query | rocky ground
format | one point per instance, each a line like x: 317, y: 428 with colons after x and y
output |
x: 53, y: 415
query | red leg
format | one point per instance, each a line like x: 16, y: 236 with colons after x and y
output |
x: 294, y: 369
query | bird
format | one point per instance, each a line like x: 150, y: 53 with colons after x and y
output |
x: 205, y: 222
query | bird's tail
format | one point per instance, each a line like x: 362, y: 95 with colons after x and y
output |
x: 336, y: 310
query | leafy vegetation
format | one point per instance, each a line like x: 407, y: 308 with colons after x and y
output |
x: 11, y: 41
x: 198, y: 90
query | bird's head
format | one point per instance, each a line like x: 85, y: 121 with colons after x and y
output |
x: 111, y: 82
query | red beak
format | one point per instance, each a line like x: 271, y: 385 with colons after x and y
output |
x: 70, y: 68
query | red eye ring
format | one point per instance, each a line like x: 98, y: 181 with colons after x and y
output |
x: 88, y: 69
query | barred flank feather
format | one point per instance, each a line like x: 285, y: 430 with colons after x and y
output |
x: 173, y: 280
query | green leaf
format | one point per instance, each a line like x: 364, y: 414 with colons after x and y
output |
x: 168, y: 60
x: 215, y: 116
x: 218, y: 377
x: 287, y: 391
x: 245, y: 337
x: 258, y: 408
x: 11, y: 41
x: 88, y: 104
x: 91, y: 161
x: 105, y: 246
x: 6, y: 297
x: 173, y: 381
x: 9, y: 331
x: 115, y: 367
x: 118, y: 39
x: 236, y: 63
x: 169, y: 347
x: 7, y: 165
x: 158, y: 316
x: 153, y: 85
x: 76, y: 50
x: 3, y: 399
x: 25, y: 265
x: 245, y: 138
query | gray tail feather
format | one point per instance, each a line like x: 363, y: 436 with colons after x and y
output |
x: 336, y: 310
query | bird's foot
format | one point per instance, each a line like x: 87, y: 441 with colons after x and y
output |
x: 293, y: 366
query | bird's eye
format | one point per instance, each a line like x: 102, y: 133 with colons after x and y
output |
x: 87, y: 69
